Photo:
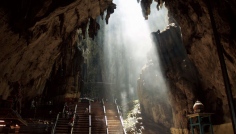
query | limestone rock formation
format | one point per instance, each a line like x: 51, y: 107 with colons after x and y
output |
x: 201, y: 49
x: 172, y: 102
x: 197, y: 73
x: 39, y: 54
x: 39, y: 45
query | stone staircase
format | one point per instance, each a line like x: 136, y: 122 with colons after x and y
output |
x: 98, y: 125
x: 81, y: 123
x: 62, y: 126
x: 113, y: 120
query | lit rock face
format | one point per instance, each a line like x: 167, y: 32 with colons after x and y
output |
x: 38, y: 50
x: 168, y: 105
x: 194, y: 72
x: 39, y: 44
x: 154, y: 104
x: 198, y: 39
x: 180, y: 74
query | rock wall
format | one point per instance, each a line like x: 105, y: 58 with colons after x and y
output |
x: 193, y: 71
x: 168, y: 105
x: 39, y: 44
x: 200, y: 45
x: 39, y: 53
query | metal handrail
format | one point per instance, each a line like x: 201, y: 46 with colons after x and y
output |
x: 121, y: 118
x: 106, y: 125
x: 104, y: 110
x: 72, y: 128
x: 64, y: 108
x: 55, y: 124
x: 90, y: 121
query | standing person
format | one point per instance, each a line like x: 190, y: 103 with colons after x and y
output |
x: 69, y: 127
x: 32, y: 104
x: 70, y: 124
x: 19, y: 99
x: 77, y: 118
x: 46, y: 128
x: 71, y: 121
x: 86, y: 110
x: 70, y: 114
x: 33, y: 107
x: 67, y: 107
x: 67, y: 115
x: 14, y: 102
x: 63, y: 115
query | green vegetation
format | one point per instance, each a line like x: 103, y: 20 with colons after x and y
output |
x: 130, y: 118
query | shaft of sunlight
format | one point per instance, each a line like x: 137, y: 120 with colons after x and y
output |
x: 127, y: 42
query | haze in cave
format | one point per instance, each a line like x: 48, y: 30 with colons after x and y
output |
x: 126, y: 43
x: 121, y: 66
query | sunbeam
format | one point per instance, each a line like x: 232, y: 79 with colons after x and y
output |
x: 126, y: 44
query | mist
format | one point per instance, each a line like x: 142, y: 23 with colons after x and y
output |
x: 126, y: 43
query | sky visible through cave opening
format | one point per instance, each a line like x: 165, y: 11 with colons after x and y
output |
x: 127, y: 42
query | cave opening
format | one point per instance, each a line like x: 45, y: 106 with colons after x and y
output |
x: 126, y: 46
x: 114, y: 60
x: 123, y: 60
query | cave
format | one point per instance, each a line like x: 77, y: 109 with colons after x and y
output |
x: 154, y: 59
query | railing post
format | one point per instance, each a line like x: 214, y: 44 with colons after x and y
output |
x: 63, y: 111
x: 54, y: 127
x: 104, y: 110
x: 90, y: 117
x: 121, y: 118
x: 55, y: 124
x: 72, y: 127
